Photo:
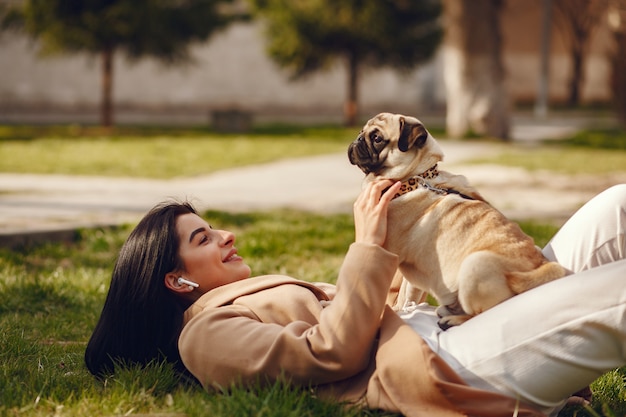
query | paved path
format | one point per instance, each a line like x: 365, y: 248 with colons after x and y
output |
x: 32, y: 205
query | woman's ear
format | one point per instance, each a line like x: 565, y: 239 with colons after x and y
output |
x: 171, y: 283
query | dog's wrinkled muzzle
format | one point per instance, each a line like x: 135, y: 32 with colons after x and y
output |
x: 363, y: 156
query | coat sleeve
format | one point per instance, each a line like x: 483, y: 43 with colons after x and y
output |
x: 229, y: 344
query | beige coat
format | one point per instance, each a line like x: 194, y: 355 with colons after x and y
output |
x: 353, y: 348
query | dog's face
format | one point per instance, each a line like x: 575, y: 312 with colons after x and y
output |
x: 394, y: 146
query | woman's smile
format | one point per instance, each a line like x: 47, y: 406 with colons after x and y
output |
x: 232, y: 256
x: 209, y: 256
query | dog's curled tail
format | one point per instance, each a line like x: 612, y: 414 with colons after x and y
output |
x: 524, y: 281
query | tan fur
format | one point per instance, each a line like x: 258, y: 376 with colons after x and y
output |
x: 464, y: 252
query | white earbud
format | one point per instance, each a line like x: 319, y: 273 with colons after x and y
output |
x: 191, y: 284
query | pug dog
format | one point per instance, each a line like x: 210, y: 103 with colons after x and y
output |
x: 451, y: 243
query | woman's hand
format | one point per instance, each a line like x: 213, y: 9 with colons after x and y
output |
x: 370, y: 211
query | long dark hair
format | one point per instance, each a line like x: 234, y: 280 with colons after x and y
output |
x: 141, y: 319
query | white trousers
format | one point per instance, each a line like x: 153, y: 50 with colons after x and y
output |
x: 545, y: 344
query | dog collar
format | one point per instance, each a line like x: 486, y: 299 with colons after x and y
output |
x: 418, y: 181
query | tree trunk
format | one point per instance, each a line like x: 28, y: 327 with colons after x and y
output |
x: 578, y: 20
x: 477, y: 101
x: 618, y: 58
x: 577, y: 77
x: 106, y: 104
x: 350, y: 110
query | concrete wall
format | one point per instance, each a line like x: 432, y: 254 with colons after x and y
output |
x: 522, y: 22
x: 233, y: 71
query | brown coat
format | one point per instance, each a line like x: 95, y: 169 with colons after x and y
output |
x: 353, y: 348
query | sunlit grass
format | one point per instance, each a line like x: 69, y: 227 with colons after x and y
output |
x: 586, y: 152
x: 561, y: 159
x: 51, y: 295
x: 153, y: 154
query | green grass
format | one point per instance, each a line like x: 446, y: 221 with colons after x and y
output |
x: 561, y: 159
x: 587, y: 152
x: 157, y: 153
x: 51, y: 295
x: 163, y: 153
x: 599, y: 139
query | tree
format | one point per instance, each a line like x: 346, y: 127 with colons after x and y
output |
x: 577, y: 20
x: 477, y: 101
x: 163, y: 29
x: 617, y: 24
x: 306, y: 36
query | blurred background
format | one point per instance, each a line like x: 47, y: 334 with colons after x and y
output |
x: 473, y: 65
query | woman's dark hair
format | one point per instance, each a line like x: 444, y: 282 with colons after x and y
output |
x: 141, y: 319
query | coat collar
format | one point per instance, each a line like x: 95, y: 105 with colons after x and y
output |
x: 228, y: 293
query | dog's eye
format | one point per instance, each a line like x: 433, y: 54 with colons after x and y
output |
x: 376, y: 138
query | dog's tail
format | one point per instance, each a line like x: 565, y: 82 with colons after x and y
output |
x: 524, y: 281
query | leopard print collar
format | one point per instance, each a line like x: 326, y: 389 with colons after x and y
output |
x: 418, y: 181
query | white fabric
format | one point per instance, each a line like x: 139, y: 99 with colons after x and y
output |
x: 545, y: 344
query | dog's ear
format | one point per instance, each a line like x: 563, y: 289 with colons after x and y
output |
x: 411, y: 134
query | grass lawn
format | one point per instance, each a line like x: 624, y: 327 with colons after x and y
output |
x: 51, y: 295
x: 587, y: 152
x: 164, y: 153
x: 157, y: 153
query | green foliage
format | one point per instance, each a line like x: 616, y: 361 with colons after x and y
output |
x: 308, y: 35
x: 159, y: 28
x: 162, y: 29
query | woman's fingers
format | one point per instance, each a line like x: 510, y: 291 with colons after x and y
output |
x: 370, y: 211
x: 391, y: 192
x: 373, y: 192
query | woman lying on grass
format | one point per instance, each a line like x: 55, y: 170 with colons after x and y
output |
x: 180, y: 290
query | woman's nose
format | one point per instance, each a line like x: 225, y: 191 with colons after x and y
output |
x: 228, y: 238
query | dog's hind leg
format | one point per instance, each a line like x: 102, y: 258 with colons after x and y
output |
x: 482, y: 282
x: 524, y: 281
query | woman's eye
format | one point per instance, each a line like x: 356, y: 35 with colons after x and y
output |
x: 204, y: 239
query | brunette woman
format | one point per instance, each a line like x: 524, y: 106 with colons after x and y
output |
x: 180, y: 291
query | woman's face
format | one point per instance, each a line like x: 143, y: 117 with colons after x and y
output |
x: 208, y: 255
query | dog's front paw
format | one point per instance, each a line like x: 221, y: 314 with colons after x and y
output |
x: 452, y: 309
x: 442, y: 311
x: 449, y: 321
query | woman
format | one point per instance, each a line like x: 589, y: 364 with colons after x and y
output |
x: 180, y: 290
